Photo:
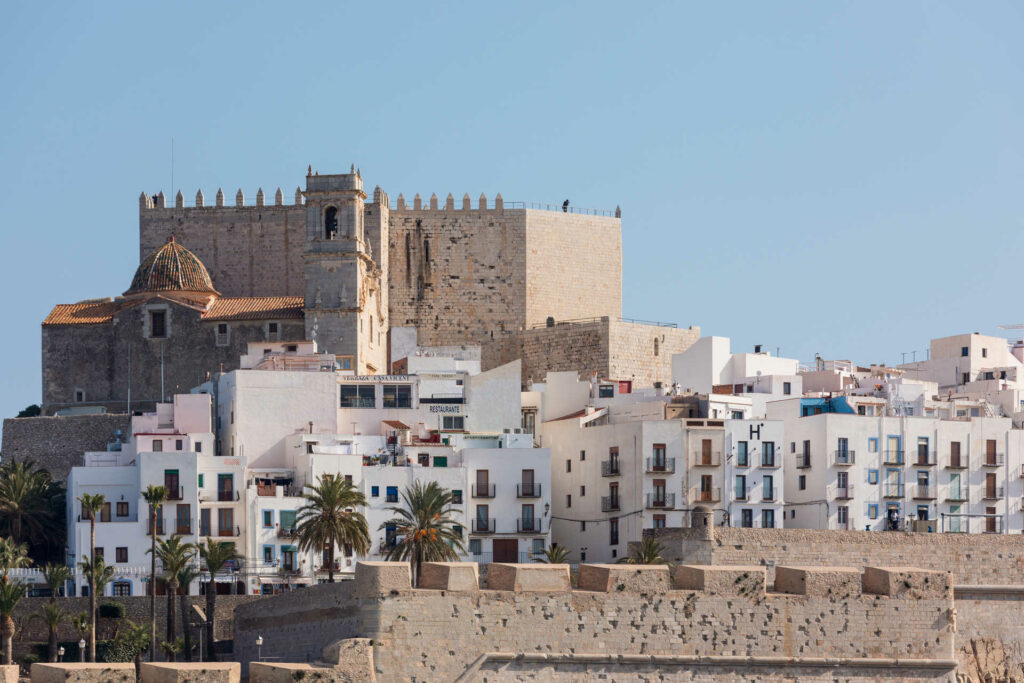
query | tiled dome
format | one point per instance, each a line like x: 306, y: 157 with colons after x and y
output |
x: 172, y: 267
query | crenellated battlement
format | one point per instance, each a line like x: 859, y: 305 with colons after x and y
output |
x: 158, y: 200
x: 499, y: 205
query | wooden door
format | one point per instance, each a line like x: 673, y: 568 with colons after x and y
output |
x: 506, y: 550
x: 990, y: 451
x: 705, y: 451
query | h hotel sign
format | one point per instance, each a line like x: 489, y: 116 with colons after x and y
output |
x: 755, y: 431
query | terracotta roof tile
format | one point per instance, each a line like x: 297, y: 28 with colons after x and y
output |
x: 85, y: 313
x: 172, y: 267
x: 257, y: 308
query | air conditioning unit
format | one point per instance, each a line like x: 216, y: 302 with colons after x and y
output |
x: 517, y: 430
x: 506, y: 431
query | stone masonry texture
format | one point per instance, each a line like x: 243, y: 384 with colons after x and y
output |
x: 57, y: 443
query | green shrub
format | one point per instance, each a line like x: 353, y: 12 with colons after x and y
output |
x: 112, y: 610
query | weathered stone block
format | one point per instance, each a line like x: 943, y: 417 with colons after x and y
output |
x: 99, y: 672
x: 452, y: 576
x: 528, y: 577
x: 9, y: 673
x: 274, y: 672
x: 908, y: 582
x: 722, y: 580
x: 352, y: 658
x: 191, y: 672
x: 381, y: 578
x: 833, y: 582
x: 627, y: 578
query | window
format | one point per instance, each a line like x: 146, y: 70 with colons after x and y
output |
x: 392, y: 494
x: 456, y: 529
x: 742, y: 456
x: 122, y: 509
x: 843, y: 514
x: 872, y: 476
x: 121, y: 589
x: 768, y: 487
x: 802, y: 482
x: 268, y: 554
x: 965, y: 377
x: 397, y: 396
x: 767, y: 454
x: 475, y: 547
x: 79, y: 396
x: 204, y: 522
x: 747, y: 518
x: 787, y: 388
x: 768, y: 519
x: 287, y: 519
x: 659, y: 521
x: 568, y: 465
x: 330, y: 223
x: 568, y: 500
x: 861, y: 410
x: 583, y: 456
x: 453, y: 423
x: 659, y: 461
x: 225, y: 522
x: 374, y: 492
x: 178, y: 444
x: 357, y: 396
x: 606, y: 391
x: 457, y: 496
x: 963, y: 350
x: 741, y: 487
x: 873, y: 511
x: 273, y: 333
x: 199, y: 446
x: 613, y: 531
x: 583, y: 525
x: 225, y: 488
x: 121, y: 554
x: 583, y: 556
x: 583, y: 491
x: 201, y: 479
x: 105, y: 513
x: 158, y: 324
x: 99, y: 553
x: 737, y: 415
x: 223, y: 336
x: 984, y: 353
x: 158, y: 445
x: 268, y: 519
x: 872, y: 445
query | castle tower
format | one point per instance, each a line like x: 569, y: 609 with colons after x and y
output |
x: 345, y: 312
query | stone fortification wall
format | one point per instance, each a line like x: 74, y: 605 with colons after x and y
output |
x: 621, y: 620
x: 57, y: 443
x: 249, y: 250
x: 989, y: 638
x: 972, y: 558
x: 612, y: 348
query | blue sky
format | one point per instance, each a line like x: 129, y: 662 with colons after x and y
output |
x: 839, y: 178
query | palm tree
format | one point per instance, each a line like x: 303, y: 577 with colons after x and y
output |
x: 32, y: 508
x: 102, y: 576
x: 425, y: 529
x: 11, y: 592
x: 215, y: 554
x: 648, y: 552
x: 57, y: 576
x: 12, y: 556
x: 553, y: 554
x: 91, y: 505
x: 330, y: 519
x: 186, y: 575
x: 155, y: 496
x: 174, y: 556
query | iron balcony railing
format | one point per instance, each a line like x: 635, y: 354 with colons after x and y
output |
x: 711, y: 495
x: 610, y: 468
x: 740, y: 494
x: 957, y: 494
x: 483, y: 525
x: 609, y: 503
x: 892, y: 457
x: 843, y: 458
x: 528, y: 525
x: 768, y: 495
x: 661, y: 465
x: 993, y: 460
x: 993, y: 493
x: 706, y: 458
x: 286, y: 532
x: 924, y: 459
x: 844, y: 492
x: 483, y: 491
x: 227, y: 496
x: 175, y: 493
x: 803, y: 461
x: 957, y: 462
x: 893, y: 491
x: 925, y: 492
x: 229, y: 531
x: 527, y: 490
x: 770, y: 461
x: 661, y: 501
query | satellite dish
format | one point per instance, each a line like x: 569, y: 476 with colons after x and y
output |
x: 758, y: 373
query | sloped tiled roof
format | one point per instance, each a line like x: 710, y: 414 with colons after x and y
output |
x: 256, y: 308
x: 172, y: 267
x: 85, y: 313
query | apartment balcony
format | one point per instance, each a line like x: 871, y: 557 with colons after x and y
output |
x: 159, y: 528
x: 175, y: 493
x: 922, y: 459
x: 959, y: 462
x: 993, y: 493
x: 484, y: 491
x: 286, y: 532
x: 893, y: 491
x: 803, y: 461
x: 958, y: 495
x: 924, y: 492
x: 740, y: 495
x: 229, y: 531
x: 482, y: 525
x: 843, y: 526
x: 609, y: 503
x: 527, y: 490
x: 663, y: 501
x: 661, y: 465
x: 773, y: 463
x: 712, y: 495
x: 993, y: 460
x: 227, y: 496
x: 892, y: 457
x: 528, y: 525
x: 843, y: 458
x: 844, y: 492
x: 768, y: 496
x: 992, y: 524
x: 610, y: 468
x: 706, y: 459
x: 184, y: 527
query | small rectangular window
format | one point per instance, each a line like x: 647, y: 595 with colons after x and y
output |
x: 199, y: 446
x: 397, y: 396
x: 583, y: 491
x: 158, y: 324
x: 457, y: 496
x: 963, y: 350
x: 268, y: 554
x: 357, y: 396
x: 802, y: 482
x: 122, y: 509
x: 787, y: 388
x: 453, y: 423
x: 872, y: 476
x: 121, y: 554
x: 268, y: 519
x: 374, y: 492
x: 583, y: 456
x: 872, y: 445
x: 568, y: 465
x: 178, y: 444
x: 392, y: 494
x: 568, y: 500
x: 583, y: 525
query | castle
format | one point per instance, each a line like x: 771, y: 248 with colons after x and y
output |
x: 541, y: 284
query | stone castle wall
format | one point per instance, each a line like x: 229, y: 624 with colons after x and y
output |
x: 621, y: 620
x: 57, y: 443
x: 973, y: 559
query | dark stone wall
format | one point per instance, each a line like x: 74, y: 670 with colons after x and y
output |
x: 95, y: 358
x: 57, y: 443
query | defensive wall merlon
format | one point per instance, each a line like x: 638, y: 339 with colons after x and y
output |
x: 499, y: 205
x: 901, y: 617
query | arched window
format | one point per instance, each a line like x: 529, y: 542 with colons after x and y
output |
x: 330, y: 223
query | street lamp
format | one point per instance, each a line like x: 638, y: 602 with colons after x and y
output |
x: 60, y: 653
x: 81, y: 650
x: 259, y: 648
